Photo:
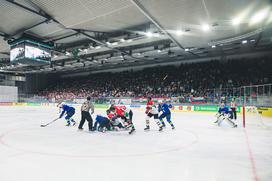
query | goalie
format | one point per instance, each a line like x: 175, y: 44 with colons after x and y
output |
x: 224, y: 113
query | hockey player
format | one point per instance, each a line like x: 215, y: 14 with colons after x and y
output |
x: 224, y: 113
x: 124, y: 113
x: 151, y: 111
x: 101, y: 123
x: 130, y: 122
x: 166, y: 113
x: 70, y: 111
x: 110, y: 114
x: 233, y: 107
x: 115, y: 121
x: 118, y: 111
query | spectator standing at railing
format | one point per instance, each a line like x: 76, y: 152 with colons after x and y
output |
x: 85, y: 114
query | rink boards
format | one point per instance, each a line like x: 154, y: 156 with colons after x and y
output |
x: 264, y: 111
x: 175, y: 108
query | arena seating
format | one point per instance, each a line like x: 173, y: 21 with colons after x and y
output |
x: 194, y: 79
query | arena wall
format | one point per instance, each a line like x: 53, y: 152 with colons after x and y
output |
x: 8, y: 94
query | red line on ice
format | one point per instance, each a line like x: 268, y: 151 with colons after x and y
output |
x: 251, y: 158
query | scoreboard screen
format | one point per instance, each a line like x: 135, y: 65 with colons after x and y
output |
x: 30, y: 52
x: 17, y: 52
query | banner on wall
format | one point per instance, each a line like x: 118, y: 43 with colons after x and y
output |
x: 251, y: 109
x: 210, y: 108
x: 33, y: 104
x: 6, y: 103
x: 19, y: 104
x: 197, y: 100
x: 183, y: 108
x: 206, y: 108
x: 45, y: 104
x: 121, y: 101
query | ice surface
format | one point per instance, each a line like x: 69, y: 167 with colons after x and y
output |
x: 197, y: 150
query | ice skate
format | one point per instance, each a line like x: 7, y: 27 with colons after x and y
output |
x: 73, y: 123
x: 161, y: 128
x: 147, y: 128
x: 131, y: 131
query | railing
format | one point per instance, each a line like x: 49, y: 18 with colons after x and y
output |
x: 258, y: 95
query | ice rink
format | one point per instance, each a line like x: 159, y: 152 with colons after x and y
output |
x: 197, y: 150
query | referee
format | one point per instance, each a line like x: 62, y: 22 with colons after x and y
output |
x: 85, y: 114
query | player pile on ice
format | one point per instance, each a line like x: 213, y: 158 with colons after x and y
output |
x: 119, y: 117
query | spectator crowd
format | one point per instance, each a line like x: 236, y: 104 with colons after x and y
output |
x: 191, y: 79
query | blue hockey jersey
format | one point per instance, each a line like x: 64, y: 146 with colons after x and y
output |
x: 165, y: 108
x: 224, y: 110
x: 66, y: 108
x: 101, y: 121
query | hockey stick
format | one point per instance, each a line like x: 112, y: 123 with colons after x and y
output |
x: 165, y: 77
x: 44, y: 125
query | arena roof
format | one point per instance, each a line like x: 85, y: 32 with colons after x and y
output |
x: 114, y: 33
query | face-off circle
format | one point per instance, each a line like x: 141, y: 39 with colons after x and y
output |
x: 68, y: 143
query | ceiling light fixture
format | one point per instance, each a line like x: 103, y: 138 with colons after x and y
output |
x: 179, y: 32
x: 205, y: 27
x: 244, y: 41
x: 149, y: 34
x: 259, y: 16
x: 236, y: 21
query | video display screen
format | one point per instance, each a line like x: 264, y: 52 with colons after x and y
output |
x: 29, y: 52
x: 17, y: 52
x: 37, y: 53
